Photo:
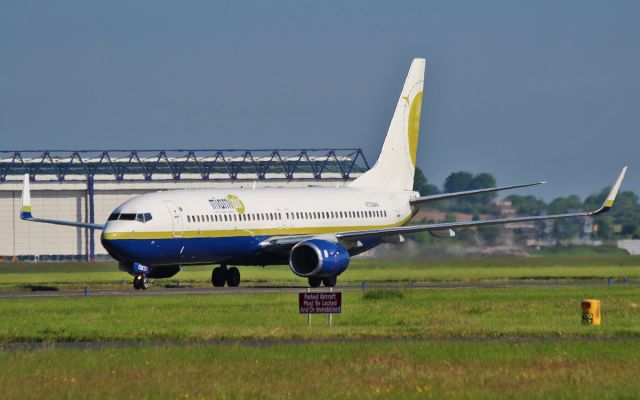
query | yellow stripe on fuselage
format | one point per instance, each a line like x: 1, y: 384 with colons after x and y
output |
x: 244, y: 232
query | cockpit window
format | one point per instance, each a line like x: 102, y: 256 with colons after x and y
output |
x: 143, y: 217
x: 140, y: 217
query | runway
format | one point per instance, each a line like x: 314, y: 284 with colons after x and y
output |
x: 248, y: 290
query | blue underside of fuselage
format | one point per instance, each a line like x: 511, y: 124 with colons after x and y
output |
x: 239, y: 250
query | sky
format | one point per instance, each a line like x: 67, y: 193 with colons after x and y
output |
x: 528, y: 91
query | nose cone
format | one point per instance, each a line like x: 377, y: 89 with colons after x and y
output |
x: 114, y: 245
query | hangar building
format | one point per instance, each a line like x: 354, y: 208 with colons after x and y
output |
x: 85, y: 186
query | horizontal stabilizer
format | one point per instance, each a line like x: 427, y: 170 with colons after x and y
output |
x: 447, y: 196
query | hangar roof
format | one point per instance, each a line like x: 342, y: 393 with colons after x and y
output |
x: 152, y: 165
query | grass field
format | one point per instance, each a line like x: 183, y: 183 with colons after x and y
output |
x: 389, y: 370
x: 518, y: 342
x: 20, y: 276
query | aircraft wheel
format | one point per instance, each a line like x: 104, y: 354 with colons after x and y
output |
x: 233, y: 277
x: 314, y: 281
x: 330, y: 281
x: 219, y: 276
x: 140, y: 282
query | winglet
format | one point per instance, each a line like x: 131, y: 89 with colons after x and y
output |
x: 25, y: 212
x: 608, y: 203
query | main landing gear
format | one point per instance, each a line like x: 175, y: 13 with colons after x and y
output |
x: 140, y: 282
x: 327, y: 281
x: 221, y: 275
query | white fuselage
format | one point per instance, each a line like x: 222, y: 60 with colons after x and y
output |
x: 210, y: 226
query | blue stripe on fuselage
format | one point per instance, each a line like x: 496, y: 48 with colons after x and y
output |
x: 237, y: 250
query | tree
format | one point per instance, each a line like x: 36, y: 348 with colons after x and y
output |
x: 625, y: 213
x: 482, y: 181
x: 571, y: 228
x: 461, y: 181
x: 422, y: 185
x: 458, y: 182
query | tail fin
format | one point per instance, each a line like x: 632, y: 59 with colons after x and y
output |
x: 397, y: 161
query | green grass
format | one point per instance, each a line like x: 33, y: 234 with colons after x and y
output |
x: 23, y: 276
x: 437, y: 370
x: 516, y: 342
x: 382, y: 294
x: 417, y: 313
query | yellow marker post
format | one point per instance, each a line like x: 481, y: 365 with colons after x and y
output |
x: 591, y: 312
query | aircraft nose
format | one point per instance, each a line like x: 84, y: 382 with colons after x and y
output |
x: 112, y: 244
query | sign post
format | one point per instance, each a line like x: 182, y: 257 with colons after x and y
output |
x: 320, y: 303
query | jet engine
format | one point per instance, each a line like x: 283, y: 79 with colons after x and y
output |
x: 318, y: 258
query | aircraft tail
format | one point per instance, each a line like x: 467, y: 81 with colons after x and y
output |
x: 397, y: 161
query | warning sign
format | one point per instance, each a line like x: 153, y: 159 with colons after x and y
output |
x: 320, y: 303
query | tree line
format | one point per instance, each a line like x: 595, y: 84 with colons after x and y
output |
x: 622, y: 221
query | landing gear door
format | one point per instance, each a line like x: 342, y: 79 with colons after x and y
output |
x: 176, y: 218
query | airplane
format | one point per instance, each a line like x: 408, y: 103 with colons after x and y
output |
x: 315, y: 230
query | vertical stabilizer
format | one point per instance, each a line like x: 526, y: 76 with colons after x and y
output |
x: 397, y: 161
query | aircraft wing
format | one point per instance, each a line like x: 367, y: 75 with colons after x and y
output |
x: 286, y: 241
x: 445, y: 196
x: 25, y: 212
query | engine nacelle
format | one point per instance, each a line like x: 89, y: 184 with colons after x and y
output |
x: 318, y: 258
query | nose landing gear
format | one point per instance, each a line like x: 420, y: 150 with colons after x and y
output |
x: 140, y: 273
x: 221, y: 275
x: 140, y: 282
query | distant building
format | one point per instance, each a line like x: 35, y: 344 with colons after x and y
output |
x: 85, y: 186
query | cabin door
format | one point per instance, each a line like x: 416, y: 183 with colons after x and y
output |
x: 176, y: 218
